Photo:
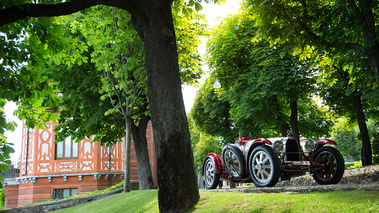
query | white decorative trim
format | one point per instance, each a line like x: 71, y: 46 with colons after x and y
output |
x: 33, y: 178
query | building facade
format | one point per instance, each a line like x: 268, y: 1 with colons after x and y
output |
x: 51, y: 170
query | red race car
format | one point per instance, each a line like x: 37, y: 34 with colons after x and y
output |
x: 265, y: 161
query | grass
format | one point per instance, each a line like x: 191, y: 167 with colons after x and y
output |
x: 337, y: 201
x: 134, y: 201
x: 147, y: 201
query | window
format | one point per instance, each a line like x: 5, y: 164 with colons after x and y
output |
x: 64, y: 193
x: 66, y: 149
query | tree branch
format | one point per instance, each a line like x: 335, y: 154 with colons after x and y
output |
x: 17, y: 12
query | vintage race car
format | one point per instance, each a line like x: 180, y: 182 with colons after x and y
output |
x: 265, y: 161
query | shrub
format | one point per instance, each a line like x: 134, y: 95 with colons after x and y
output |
x: 353, y: 165
x: 2, y: 198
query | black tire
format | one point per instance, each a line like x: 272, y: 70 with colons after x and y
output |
x: 264, y: 166
x: 233, y: 161
x: 333, y: 166
x: 211, y: 178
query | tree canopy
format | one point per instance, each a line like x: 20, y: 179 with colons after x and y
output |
x: 259, y: 84
x: 153, y: 21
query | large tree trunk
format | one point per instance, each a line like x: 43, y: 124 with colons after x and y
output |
x: 128, y: 139
x: 294, y: 121
x: 366, y: 153
x: 178, y: 190
x: 142, y: 153
x: 369, y: 33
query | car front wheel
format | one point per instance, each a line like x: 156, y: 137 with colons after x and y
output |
x: 332, y: 166
x: 264, y: 166
x: 211, y: 178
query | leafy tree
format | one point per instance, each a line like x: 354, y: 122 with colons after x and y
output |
x: 211, y: 113
x: 347, y: 140
x: 5, y: 148
x: 202, y: 144
x: 346, y: 30
x: 332, y: 26
x: 113, y: 46
x: 263, y: 84
x: 18, y: 83
x: 342, y: 89
x: 153, y: 21
x: 348, y: 137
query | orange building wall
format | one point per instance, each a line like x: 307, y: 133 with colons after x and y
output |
x: 89, y: 172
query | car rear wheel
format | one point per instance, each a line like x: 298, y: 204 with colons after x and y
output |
x: 332, y: 166
x: 211, y: 178
x: 233, y: 161
x: 264, y: 166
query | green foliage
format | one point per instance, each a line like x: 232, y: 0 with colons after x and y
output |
x: 189, y: 28
x: 203, y: 144
x: 338, y: 35
x: 5, y: 151
x: 211, y: 113
x: 5, y: 148
x: 299, y: 24
x: 100, y: 68
x: 259, y: 82
x: 353, y: 165
x: 348, y: 139
x: 2, y: 198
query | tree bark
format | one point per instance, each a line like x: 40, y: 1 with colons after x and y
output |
x: 178, y: 190
x: 366, y: 153
x: 142, y: 153
x: 128, y: 139
x: 363, y: 10
x: 294, y: 121
x: 369, y: 33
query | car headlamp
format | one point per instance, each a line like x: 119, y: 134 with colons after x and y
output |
x: 309, y: 145
x: 278, y: 146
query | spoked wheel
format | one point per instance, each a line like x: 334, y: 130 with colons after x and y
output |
x: 211, y: 178
x: 264, y: 166
x: 332, y: 166
x: 233, y: 161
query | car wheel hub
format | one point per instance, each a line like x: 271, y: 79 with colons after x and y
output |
x: 262, y: 166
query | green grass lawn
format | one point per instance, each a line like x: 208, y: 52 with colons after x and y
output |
x: 147, y: 201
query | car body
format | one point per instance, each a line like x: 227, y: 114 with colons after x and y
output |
x: 265, y: 161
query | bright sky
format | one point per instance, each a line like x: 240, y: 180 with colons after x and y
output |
x: 212, y: 12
